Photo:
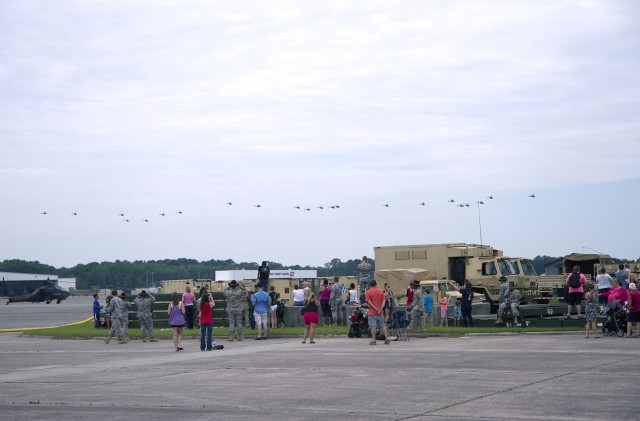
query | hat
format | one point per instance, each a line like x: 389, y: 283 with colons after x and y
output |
x: 233, y: 283
x: 502, y: 279
x: 143, y: 293
x: 416, y: 283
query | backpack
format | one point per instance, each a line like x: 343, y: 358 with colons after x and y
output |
x: 574, y: 280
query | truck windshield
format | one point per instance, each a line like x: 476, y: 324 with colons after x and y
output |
x: 506, y: 268
x: 527, y: 268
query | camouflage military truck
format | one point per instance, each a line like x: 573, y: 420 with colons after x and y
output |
x: 482, y: 265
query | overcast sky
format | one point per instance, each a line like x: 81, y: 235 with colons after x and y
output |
x: 150, y: 107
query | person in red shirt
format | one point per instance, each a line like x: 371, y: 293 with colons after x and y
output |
x: 633, y: 302
x: 375, y: 300
x: 206, y: 321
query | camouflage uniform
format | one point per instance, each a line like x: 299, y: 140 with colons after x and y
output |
x: 504, y: 288
x: 365, y: 275
x: 117, y: 309
x: 236, y: 299
x: 144, y: 304
x: 125, y: 316
x: 512, y: 299
x: 337, y: 305
x: 417, y: 311
x: 245, y: 305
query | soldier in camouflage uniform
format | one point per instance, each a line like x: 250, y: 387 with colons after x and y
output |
x: 417, y: 309
x: 144, y: 303
x: 337, y: 304
x: 236, y: 299
x: 512, y: 300
x: 245, y: 306
x: 504, y: 287
x: 117, y: 309
x: 364, y: 269
x: 125, y: 315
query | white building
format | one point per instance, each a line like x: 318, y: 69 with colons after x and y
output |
x: 244, y: 275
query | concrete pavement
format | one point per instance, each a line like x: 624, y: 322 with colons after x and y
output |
x: 559, y: 377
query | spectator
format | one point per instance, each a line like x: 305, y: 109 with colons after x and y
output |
x: 353, y: 295
x: 176, y: 319
x: 466, y: 302
x: 117, y: 309
x: 388, y: 301
x: 298, y: 297
x: 364, y: 273
x: 325, y: 296
x: 444, y: 302
x: 96, y: 311
x: 622, y: 276
x: 206, y: 321
x: 263, y: 275
x: 236, y: 300
x: 457, y: 313
x: 511, y: 300
x: 591, y: 314
x: 616, y: 293
x: 417, y: 309
x: 375, y: 301
x: 603, y: 284
x: 310, y: 318
x: 427, y: 309
x: 337, y: 302
x: 633, y: 304
x: 261, y: 302
x: 188, y: 299
x: 576, y: 282
x: 144, y: 304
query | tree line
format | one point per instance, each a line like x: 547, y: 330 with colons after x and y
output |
x: 145, y: 273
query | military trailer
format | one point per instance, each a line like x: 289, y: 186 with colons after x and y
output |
x: 399, y: 280
x: 481, y: 265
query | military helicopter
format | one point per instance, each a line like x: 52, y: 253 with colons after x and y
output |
x: 47, y: 292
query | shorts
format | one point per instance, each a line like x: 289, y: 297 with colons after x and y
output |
x: 310, y: 318
x: 443, y: 313
x: 634, y: 317
x: 387, y: 305
x: 375, y: 322
x: 260, y: 318
x: 574, y: 298
x: 182, y: 325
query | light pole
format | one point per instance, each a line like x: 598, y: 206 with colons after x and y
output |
x: 480, y: 202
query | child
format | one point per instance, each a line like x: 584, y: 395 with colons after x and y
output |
x: 354, y: 316
x: 443, y: 310
x: 457, y: 313
x: 591, y: 313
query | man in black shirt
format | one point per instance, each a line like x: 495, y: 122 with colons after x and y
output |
x: 263, y: 275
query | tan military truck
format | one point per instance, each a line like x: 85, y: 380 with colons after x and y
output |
x: 482, y: 265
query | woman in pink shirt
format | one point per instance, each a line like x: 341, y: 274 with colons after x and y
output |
x: 187, y: 299
x: 575, y: 293
x: 616, y: 292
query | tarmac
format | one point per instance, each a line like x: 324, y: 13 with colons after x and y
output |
x: 497, y: 377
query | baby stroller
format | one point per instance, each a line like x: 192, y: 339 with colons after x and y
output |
x: 616, y: 323
x: 280, y: 313
x: 359, y: 323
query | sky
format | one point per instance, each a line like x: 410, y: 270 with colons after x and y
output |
x: 145, y: 108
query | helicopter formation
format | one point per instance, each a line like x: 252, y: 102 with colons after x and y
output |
x: 307, y: 209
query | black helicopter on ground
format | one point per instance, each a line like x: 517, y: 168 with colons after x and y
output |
x: 48, y: 292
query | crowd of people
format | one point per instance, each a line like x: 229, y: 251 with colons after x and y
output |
x: 258, y: 309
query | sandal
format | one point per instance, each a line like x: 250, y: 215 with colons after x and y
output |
x: 372, y: 342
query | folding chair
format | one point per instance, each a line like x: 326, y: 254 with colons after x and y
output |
x: 399, y: 325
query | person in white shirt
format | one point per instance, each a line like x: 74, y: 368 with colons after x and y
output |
x: 298, y: 297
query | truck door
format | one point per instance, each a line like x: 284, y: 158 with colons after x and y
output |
x: 458, y: 269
